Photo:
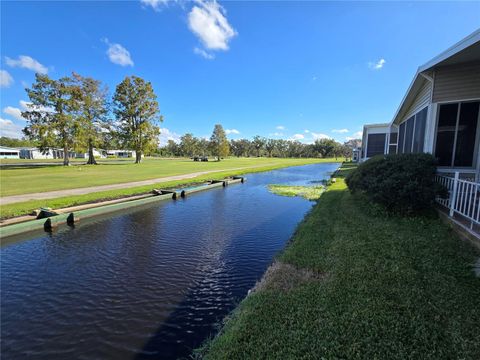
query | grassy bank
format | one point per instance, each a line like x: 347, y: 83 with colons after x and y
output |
x: 357, y: 284
x: 162, y: 166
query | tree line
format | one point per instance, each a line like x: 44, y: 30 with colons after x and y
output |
x: 76, y: 113
x: 190, y: 146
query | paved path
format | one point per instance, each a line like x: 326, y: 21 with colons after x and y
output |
x: 82, y: 191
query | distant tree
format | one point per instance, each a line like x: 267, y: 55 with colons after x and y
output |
x: 188, y: 145
x: 281, y: 147
x: 325, y: 147
x: 219, y: 142
x: 172, y: 148
x: 354, y: 143
x: 270, y: 146
x: 203, y: 146
x: 240, y: 147
x: 258, y: 143
x: 52, y: 114
x: 16, y: 143
x: 93, y: 113
x: 137, y: 112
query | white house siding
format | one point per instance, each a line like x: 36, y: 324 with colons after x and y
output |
x: 457, y: 82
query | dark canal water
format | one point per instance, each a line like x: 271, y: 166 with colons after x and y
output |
x: 153, y: 282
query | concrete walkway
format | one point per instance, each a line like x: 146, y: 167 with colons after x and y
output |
x: 82, y: 191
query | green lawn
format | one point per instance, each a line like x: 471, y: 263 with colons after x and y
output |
x: 23, y: 181
x: 49, y: 178
x: 357, y: 284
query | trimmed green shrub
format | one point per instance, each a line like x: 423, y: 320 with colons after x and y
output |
x: 402, y: 183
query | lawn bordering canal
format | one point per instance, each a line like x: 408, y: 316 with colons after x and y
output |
x: 355, y: 283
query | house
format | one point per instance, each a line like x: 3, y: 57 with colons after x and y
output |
x: 36, y: 153
x: 375, y: 140
x: 121, y: 153
x: 439, y: 114
x: 9, y: 153
x: 98, y: 153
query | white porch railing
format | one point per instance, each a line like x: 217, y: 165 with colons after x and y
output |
x: 463, y: 197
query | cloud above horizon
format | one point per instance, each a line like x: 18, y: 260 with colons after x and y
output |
x: 207, y: 20
x: 232, y: 131
x: 5, y: 79
x: 118, y: 54
x: 14, y: 112
x: 9, y: 129
x: 166, y: 134
x: 27, y: 62
x: 377, y: 65
x: 340, y: 131
x: 155, y: 4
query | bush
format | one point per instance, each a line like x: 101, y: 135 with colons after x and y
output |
x: 401, y: 183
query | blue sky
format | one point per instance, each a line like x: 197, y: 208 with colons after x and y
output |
x: 293, y: 70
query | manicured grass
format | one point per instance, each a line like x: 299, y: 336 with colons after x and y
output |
x: 256, y: 165
x: 383, y: 287
x: 308, y: 192
x: 49, y: 178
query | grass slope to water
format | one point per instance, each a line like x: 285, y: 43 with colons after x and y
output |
x: 385, y: 288
x: 247, y: 165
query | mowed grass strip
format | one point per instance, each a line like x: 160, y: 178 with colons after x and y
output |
x: 14, y: 181
x: 386, y: 288
x: 23, y: 208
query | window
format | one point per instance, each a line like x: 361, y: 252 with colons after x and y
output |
x: 375, y: 144
x: 393, y: 137
x: 419, y: 135
x: 456, y: 134
x: 412, y: 133
x: 407, y: 147
x: 401, y: 137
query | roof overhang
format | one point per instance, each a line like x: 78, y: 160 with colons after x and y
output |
x: 466, y: 50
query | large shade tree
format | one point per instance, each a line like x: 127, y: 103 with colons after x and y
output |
x: 137, y: 114
x: 52, y: 114
x: 93, y: 110
x: 219, y: 143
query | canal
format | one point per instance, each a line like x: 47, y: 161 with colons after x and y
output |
x: 151, y: 282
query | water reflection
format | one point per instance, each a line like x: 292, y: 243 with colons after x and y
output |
x: 151, y: 282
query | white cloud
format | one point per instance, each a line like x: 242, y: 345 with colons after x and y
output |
x: 306, y: 131
x: 166, y: 134
x: 118, y: 54
x: 341, y: 131
x: 10, y: 129
x: 377, y: 65
x: 318, y: 136
x: 232, y: 131
x: 297, y: 137
x: 5, y: 79
x: 14, y: 112
x: 358, y: 134
x: 27, y: 62
x: 155, y: 4
x: 280, y: 127
x: 203, y: 53
x: 208, y: 22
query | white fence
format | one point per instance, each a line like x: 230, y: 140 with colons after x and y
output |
x: 463, y: 197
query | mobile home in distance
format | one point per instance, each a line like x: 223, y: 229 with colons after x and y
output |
x: 9, y: 153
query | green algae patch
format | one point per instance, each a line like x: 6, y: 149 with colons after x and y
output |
x: 308, y: 192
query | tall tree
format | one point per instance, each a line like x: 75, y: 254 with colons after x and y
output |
x: 326, y: 147
x: 270, y: 146
x: 258, y: 143
x: 219, y: 142
x: 137, y: 112
x: 93, y: 113
x: 188, y: 145
x: 52, y: 114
